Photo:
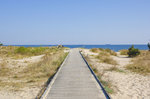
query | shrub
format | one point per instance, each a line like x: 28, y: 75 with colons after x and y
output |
x: 148, y: 46
x: 133, y: 51
x: 22, y: 50
x: 38, y: 50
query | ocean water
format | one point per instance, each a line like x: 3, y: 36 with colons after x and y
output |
x: 112, y: 47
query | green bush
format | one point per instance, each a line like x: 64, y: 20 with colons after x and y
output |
x: 22, y: 50
x: 1, y: 44
x: 148, y: 46
x: 37, y: 50
x: 132, y: 52
x: 31, y: 50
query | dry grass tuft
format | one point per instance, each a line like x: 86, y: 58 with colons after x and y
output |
x: 41, y: 71
x: 4, y: 70
x: 95, y: 50
x: 105, y: 58
x: 105, y: 55
x: 111, y: 52
x: 114, y: 68
x: 106, y: 83
x: 98, y: 50
x: 123, y: 52
x: 34, y: 74
x: 141, y: 63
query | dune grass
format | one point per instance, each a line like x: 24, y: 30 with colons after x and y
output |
x: 115, y: 68
x: 98, y: 50
x: 141, y: 63
x: 34, y: 74
x: 111, y: 52
x: 105, y: 57
x: 21, y: 52
x: 95, y: 50
x: 123, y: 52
x: 106, y: 84
x: 4, y: 71
x: 43, y: 69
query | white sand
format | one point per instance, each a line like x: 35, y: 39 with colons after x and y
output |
x: 26, y: 93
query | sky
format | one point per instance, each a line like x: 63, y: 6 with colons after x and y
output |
x: 74, y: 22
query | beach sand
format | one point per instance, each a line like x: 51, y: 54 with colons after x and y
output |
x: 28, y: 91
x: 126, y: 84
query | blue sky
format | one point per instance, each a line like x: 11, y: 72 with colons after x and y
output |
x: 74, y: 21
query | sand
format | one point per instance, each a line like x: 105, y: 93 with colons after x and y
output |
x: 28, y: 92
x: 127, y: 85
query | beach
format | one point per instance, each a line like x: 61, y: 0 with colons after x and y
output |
x: 125, y: 84
x: 24, y: 72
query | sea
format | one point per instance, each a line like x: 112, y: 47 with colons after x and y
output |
x: 107, y: 46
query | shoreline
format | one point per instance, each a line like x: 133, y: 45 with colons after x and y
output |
x: 112, y: 47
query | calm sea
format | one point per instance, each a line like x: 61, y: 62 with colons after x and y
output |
x: 112, y: 47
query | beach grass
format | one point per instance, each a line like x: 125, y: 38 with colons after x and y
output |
x: 105, y: 57
x: 33, y: 74
x: 95, y: 50
x: 106, y: 84
x: 141, y: 63
x: 98, y: 50
x: 123, y: 52
x: 21, y: 52
x: 115, y: 68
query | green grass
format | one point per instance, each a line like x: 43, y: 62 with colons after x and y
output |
x: 106, y: 84
x: 109, y: 90
x: 31, y: 50
x: 21, y: 52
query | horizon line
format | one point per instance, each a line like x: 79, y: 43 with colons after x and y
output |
x: 74, y: 44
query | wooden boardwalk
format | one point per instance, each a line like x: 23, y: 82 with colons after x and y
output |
x: 74, y: 81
